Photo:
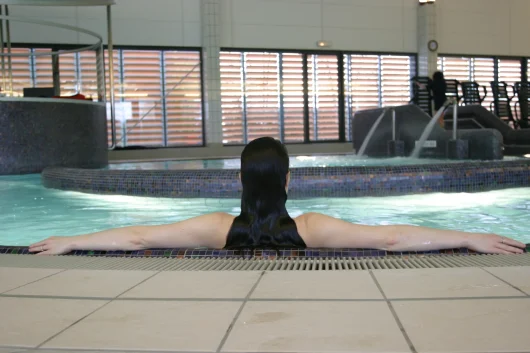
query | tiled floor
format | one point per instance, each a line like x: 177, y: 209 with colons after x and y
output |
x: 424, y: 310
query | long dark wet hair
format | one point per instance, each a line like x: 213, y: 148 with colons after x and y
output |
x: 264, y: 222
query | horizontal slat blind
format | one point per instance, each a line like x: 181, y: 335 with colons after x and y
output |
x: 363, y: 88
x: 68, y: 74
x: 232, y: 95
x: 465, y: 69
x: 483, y: 73
x: 142, y: 89
x: 183, y: 97
x: 323, y: 97
x: 455, y: 68
x: 43, y: 69
x: 292, y: 86
x: 21, y: 71
x: 262, y: 94
x: 88, y: 81
x: 395, y: 80
x: 510, y: 72
x: 140, y: 82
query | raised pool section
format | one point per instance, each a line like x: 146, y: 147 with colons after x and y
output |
x: 36, y: 133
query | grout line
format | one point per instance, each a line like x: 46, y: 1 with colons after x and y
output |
x: 57, y: 297
x: 394, y: 314
x: 236, y: 317
x: 508, y: 283
x: 31, y: 296
x: 93, y: 311
x: 83, y: 350
x: 19, y: 349
x: 53, y: 274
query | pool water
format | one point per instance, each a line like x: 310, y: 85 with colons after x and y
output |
x: 295, y: 162
x: 29, y: 212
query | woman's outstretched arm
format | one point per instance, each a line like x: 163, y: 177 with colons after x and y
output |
x: 321, y: 231
x: 203, y: 231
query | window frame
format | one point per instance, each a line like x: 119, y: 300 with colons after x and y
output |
x: 343, y: 119
x: 199, y: 50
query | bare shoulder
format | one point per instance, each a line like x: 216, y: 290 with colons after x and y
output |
x: 209, y: 230
x: 301, y: 226
x: 319, y: 230
x: 220, y: 223
x: 226, y: 219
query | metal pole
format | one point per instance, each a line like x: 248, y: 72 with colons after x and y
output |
x: 111, y: 76
x: 393, y: 124
x: 455, y: 118
x: 9, y: 61
x: 56, y: 75
x: 100, y: 74
x: 2, y: 49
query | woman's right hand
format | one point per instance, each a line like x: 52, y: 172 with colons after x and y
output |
x: 52, y: 246
x: 494, y: 244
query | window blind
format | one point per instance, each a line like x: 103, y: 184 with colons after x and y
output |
x: 22, y: 71
x: 395, y: 80
x: 183, y: 98
x: 323, y: 97
x: 232, y: 97
x: 292, y: 90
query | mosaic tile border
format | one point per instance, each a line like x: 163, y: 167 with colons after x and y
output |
x: 305, y: 182
x: 263, y: 254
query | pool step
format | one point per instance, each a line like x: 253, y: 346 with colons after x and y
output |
x: 257, y: 264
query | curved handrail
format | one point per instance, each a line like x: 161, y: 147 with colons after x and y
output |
x: 98, y: 47
x: 58, y: 2
x: 57, y: 25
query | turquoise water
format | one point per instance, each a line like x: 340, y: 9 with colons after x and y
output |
x: 29, y: 212
x: 295, y: 162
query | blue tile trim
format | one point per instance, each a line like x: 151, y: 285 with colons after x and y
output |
x: 305, y: 182
x: 265, y: 254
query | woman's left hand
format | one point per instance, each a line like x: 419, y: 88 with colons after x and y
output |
x: 494, y: 244
x: 52, y: 246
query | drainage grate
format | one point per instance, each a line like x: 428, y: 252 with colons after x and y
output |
x: 257, y: 264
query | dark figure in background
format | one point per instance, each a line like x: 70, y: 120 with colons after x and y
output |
x: 438, y: 88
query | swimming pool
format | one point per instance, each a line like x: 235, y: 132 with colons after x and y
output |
x: 30, y: 212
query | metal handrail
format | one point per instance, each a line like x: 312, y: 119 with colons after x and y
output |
x: 98, y: 46
x: 455, y: 118
x: 393, y: 124
x: 57, y: 25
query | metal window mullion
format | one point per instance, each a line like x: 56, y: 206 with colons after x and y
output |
x: 305, y: 84
x: 163, y: 92
x: 33, y: 68
x: 349, y: 104
x: 78, y: 76
x: 342, y: 98
x: 244, y: 97
x: 122, y: 93
x: 496, y: 69
x: 281, y: 112
x: 471, y: 69
x: 524, y: 92
x: 379, y: 82
x: 315, y: 97
x: 413, y: 63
